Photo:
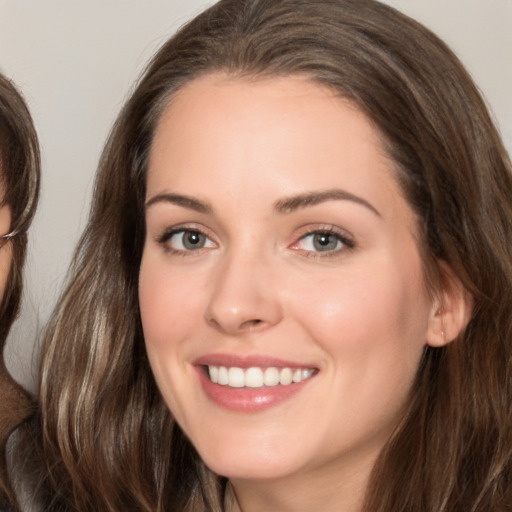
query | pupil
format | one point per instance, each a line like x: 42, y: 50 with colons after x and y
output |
x: 324, y: 241
x: 193, y: 240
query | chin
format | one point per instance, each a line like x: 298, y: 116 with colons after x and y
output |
x: 242, y: 471
x: 253, y: 466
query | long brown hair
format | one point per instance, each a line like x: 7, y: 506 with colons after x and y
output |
x: 19, y: 175
x: 109, y: 442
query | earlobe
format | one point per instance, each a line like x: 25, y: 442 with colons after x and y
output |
x: 451, y: 310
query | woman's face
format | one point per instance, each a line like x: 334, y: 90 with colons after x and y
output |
x: 5, y: 247
x: 281, y: 259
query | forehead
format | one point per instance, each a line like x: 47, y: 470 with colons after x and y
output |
x: 290, y: 134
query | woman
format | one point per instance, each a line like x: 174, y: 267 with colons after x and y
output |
x: 19, y: 171
x: 294, y: 289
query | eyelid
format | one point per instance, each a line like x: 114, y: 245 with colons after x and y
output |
x: 164, y: 236
x: 342, y: 235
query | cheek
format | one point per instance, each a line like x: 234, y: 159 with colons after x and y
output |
x: 5, y: 266
x: 377, y: 312
x: 5, y: 249
x: 371, y: 327
x: 168, y: 308
x: 168, y: 302
x: 163, y: 320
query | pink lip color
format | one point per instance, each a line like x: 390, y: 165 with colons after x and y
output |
x: 229, y: 360
x: 247, y: 400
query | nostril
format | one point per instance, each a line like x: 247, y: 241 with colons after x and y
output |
x: 250, y: 324
x: 246, y: 325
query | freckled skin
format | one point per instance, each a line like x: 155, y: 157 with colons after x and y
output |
x: 359, y: 315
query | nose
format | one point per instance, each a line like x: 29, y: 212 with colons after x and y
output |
x: 244, y: 297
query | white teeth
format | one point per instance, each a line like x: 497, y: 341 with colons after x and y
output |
x: 254, y: 378
x: 223, y: 376
x: 236, y: 377
x: 257, y: 377
x: 285, y: 377
x: 214, y: 373
x: 305, y: 374
x: 271, y: 377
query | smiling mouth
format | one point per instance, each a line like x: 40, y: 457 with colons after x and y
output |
x: 256, y: 377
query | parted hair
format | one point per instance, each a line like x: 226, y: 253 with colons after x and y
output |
x: 107, y: 439
x: 19, y: 178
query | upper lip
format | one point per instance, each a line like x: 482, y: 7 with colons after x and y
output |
x: 247, y: 361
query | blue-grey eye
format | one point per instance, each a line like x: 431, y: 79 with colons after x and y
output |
x: 189, y: 240
x: 321, y: 242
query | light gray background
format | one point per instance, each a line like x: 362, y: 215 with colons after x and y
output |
x: 76, y: 60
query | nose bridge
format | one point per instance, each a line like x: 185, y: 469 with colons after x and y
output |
x: 243, y: 296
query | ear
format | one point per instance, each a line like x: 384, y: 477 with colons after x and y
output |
x: 451, y: 309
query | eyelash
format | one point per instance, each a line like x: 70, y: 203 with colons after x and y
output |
x: 169, y: 233
x: 346, y: 242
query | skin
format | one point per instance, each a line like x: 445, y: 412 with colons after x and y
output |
x: 359, y: 314
x: 9, y: 391
x: 5, y: 248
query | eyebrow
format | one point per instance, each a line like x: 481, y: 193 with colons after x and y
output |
x: 290, y: 204
x: 286, y: 205
x: 180, y: 200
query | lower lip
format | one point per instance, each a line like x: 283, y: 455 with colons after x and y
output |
x: 248, y: 399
